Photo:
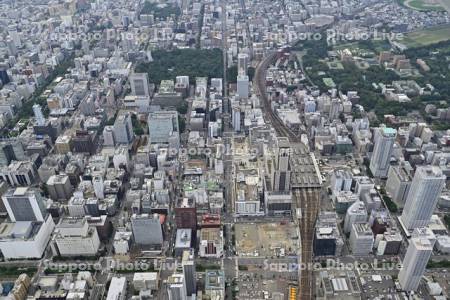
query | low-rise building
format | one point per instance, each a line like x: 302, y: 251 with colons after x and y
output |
x: 145, y: 281
x: 122, y: 241
x: 211, y: 242
x: 25, y: 239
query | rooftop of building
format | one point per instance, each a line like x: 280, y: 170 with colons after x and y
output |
x: 71, y: 222
x: 214, y: 279
x: 183, y: 238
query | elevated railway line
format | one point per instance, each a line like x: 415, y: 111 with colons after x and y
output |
x: 307, y: 187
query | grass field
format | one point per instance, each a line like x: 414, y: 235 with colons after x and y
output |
x: 427, y: 36
x: 329, y: 82
x: 360, y: 48
x: 423, y: 5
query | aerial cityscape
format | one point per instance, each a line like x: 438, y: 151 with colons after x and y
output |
x: 224, y: 149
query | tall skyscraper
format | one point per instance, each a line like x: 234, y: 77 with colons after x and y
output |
x: 188, y: 265
x: 356, y: 213
x: 243, y: 62
x: 236, y: 117
x: 24, y: 204
x: 11, y: 150
x: 399, y: 182
x: 242, y: 86
x: 123, y: 129
x: 139, y: 84
x: 384, y: 144
x: 4, y: 76
x: 176, y: 287
x: 335, y: 109
x: 415, y: 261
x: 426, y: 187
x: 283, y: 173
x: 99, y: 187
x: 108, y: 136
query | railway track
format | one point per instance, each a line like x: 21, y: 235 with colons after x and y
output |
x: 305, y: 198
x: 308, y: 200
x: 260, y: 80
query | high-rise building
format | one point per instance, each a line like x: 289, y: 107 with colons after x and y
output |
x: 84, y: 141
x: 327, y: 239
x: 361, y: 239
x: 11, y: 150
x: 426, y: 187
x: 24, y: 204
x: 399, y: 182
x: 341, y: 180
x: 243, y: 62
x: 59, y: 187
x: 123, y: 129
x: 236, y: 118
x: 121, y: 158
x: 188, y: 266
x: 108, y: 136
x: 117, y: 289
x: 415, y: 261
x: 76, y: 206
x: 242, y: 86
x: 335, y: 109
x: 4, y: 78
x: 147, y: 230
x: 139, y: 84
x: 356, y: 213
x: 186, y: 214
x: 163, y: 127
x: 99, y: 187
x: 176, y: 287
x: 381, y: 156
x: 283, y: 173
x: 389, y: 242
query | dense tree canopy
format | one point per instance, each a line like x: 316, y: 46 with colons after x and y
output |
x: 232, y: 73
x: 160, y: 11
x: 183, y: 62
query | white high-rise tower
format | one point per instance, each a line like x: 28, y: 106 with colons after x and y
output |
x: 384, y: 144
x: 99, y: 188
x: 242, y: 86
x: 243, y: 62
x: 176, y: 287
x: 415, y: 261
x: 426, y: 187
